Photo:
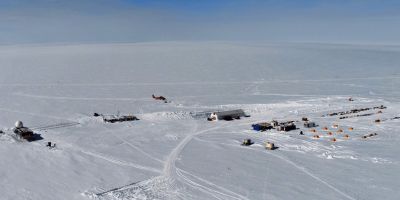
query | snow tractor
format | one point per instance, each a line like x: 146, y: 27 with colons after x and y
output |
x: 247, y: 142
x: 270, y: 146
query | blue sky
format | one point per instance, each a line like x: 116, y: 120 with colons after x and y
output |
x: 103, y: 21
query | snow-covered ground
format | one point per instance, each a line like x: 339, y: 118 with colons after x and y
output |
x: 169, y: 154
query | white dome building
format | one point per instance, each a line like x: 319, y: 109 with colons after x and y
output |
x: 19, y: 124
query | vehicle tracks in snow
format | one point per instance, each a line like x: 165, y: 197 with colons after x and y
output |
x: 168, y: 179
x: 120, y: 162
x: 300, y: 168
x: 171, y: 175
x: 207, y: 187
x: 170, y: 168
x: 134, y: 147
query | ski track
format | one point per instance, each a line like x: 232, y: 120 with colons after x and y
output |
x: 198, y: 187
x: 135, y: 147
x: 228, y: 193
x: 170, y: 168
x: 171, y: 160
x: 304, y: 170
x: 300, y: 168
x: 55, y: 126
x: 119, y: 162
x: 173, y: 155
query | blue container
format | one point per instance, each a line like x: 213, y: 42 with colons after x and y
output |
x: 256, y: 127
